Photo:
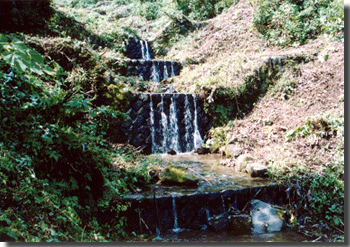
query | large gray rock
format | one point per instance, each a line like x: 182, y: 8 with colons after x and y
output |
x: 202, y: 150
x: 266, y: 218
x: 242, y: 162
x: 231, y: 150
x: 256, y: 170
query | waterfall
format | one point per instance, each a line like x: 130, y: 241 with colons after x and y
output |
x: 188, y: 121
x: 155, y: 72
x: 152, y: 125
x: 223, y: 203
x: 145, y: 50
x: 166, y: 74
x: 198, y: 141
x: 142, y: 50
x: 174, y: 128
x: 164, y: 124
x: 173, y: 122
x: 175, y: 214
x: 172, y: 69
x: 148, y: 55
x: 208, y: 215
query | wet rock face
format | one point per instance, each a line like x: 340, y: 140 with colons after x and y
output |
x: 216, y: 211
x: 237, y: 224
x: 162, y: 123
x: 142, y: 63
x: 265, y: 218
x: 151, y: 70
x: 136, y: 49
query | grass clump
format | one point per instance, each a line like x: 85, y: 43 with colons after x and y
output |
x: 203, y: 10
x: 317, y: 196
x: 293, y: 23
x: 326, y: 126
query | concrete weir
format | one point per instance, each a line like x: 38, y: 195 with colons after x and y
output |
x: 146, y: 214
x: 161, y: 123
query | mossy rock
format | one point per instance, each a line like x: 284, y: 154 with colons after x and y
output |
x: 176, y: 175
x: 240, y: 224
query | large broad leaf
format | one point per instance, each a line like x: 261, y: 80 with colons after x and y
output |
x: 22, y: 58
x: 35, y: 56
x: 15, y: 59
x: 3, y: 41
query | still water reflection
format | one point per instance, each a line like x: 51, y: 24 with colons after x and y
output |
x: 288, y: 235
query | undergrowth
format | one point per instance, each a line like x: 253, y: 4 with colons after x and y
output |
x: 56, y: 169
x: 294, y: 23
x: 317, y: 197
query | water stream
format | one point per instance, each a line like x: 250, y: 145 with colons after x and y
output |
x: 166, y: 74
x: 198, y: 141
x: 288, y: 235
x: 174, y: 128
x: 152, y: 123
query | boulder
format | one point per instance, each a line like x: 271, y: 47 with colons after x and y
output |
x: 202, y: 150
x: 171, y: 152
x: 237, y: 224
x: 240, y: 224
x: 256, y: 170
x: 176, y: 175
x: 265, y: 218
x: 227, y: 162
x: 231, y: 150
x: 218, y: 222
x: 242, y: 162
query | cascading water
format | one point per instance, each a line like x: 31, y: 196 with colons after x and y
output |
x: 143, y: 64
x: 174, y: 123
x: 223, y: 204
x: 166, y: 74
x: 198, y: 141
x: 152, y: 123
x: 164, y: 125
x: 188, y: 124
x: 174, y: 128
x: 155, y: 72
x: 145, y: 50
x: 172, y: 69
x: 142, y: 49
x: 175, y: 214
x: 148, y: 55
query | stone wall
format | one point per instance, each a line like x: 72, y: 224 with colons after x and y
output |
x: 152, y: 70
x: 147, y: 130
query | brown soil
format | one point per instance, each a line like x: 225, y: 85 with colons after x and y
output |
x: 319, y: 87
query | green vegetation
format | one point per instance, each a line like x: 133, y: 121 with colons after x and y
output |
x: 24, y: 16
x: 319, y: 195
x: 203, y: 10
x: 323, y: 127
x: 235, y: 102
x: 63, y: 98
x: 297, y: 22
x: 56, y: 167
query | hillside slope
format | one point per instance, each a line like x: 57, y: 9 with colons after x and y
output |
x: 229, y: 48
x: 295, y: 123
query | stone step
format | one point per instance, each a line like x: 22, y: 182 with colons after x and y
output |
x: 147, y: 213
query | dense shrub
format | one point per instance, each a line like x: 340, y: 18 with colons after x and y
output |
x: 58, y: 181
x: 296, y: 22
x: 202, y: 10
